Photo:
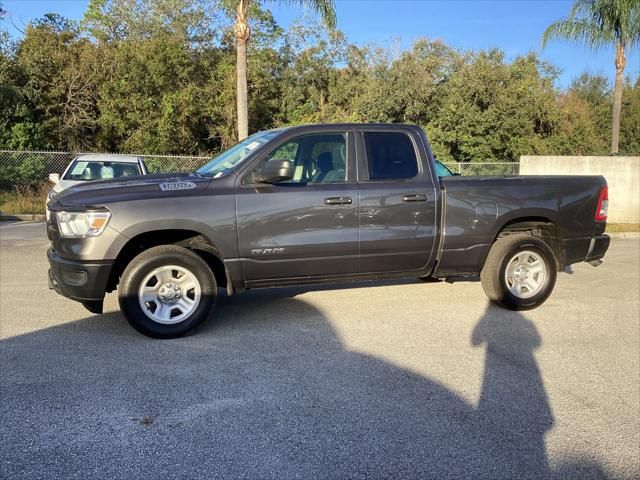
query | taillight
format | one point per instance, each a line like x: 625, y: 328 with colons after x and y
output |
x: 603, y: 205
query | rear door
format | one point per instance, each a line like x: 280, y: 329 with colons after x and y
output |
x: 397, y: 208
x: 307, y: 226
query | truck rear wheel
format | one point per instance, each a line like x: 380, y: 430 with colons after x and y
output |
x: 520, y: 272
x: 167, y: 291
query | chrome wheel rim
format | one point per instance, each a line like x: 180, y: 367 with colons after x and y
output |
x: 526, y: 274
x: 169, y: 294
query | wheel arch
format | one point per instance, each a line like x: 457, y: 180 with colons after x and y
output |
x: 539, y: 226
x: 191, y: 239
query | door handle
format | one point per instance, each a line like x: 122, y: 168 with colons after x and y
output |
x: 414, y: 198
x: 338, y: 201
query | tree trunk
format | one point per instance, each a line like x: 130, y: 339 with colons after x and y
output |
x: 242, y: 36
x: 241, y: 89
x: 621, y: 62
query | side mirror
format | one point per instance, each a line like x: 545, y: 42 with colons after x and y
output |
x: 274, y: 171
x: 54, y: 178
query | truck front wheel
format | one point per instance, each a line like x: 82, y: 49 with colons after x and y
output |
x: 167, y: 291
x: 520, y: 272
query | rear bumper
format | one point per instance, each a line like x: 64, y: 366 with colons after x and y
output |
x: 598, y: 246
x: 586, y: 249
x: 80, y: 281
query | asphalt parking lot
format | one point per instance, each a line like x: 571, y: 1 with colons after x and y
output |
x: 377, y: 380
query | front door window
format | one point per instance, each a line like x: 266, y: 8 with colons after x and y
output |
x: 319, y: 158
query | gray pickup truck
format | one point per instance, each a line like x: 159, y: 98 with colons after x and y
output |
x: 316, y: 204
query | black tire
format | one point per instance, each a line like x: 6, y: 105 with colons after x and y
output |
x: 502, y: 251
x: 143, y: 265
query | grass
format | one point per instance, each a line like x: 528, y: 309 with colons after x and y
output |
x: 25, y: 199
x: 622, y: 227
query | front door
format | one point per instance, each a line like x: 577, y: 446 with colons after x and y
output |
x: 306, y: 226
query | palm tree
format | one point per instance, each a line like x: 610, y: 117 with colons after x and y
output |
x: 598, y: 23
x: 326, y: 9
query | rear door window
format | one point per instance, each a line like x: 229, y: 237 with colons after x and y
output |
x: 390, y: 156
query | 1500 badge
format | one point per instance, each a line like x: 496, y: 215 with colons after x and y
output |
x: 172, y: 186
x: 267, y: 251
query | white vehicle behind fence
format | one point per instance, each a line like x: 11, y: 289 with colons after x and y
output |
x: 88, y: 167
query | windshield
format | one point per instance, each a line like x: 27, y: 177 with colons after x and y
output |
x: 218, y: 166
x: 84, y: 170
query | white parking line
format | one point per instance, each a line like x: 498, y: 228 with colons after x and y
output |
x: 28, y: 230
x: 17, y: 223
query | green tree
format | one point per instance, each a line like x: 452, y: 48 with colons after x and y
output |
x: 57, y: 84
x: 160, y: 77
x: 160, y: 88
x: 169, y: 85
x: 153, y: 96
x: 596, y: 92
x: 630, y: 126
x: 118, y: 20
x: 597, y: 23
x: 326, y: 10
x: 310, y: 76
x: 495, y: 111
x: 585, y: 126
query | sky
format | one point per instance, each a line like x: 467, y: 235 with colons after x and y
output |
x: 514, y: 26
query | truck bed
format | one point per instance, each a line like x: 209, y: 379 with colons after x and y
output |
x: 476, y: 209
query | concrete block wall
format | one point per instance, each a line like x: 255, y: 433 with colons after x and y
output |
x: 622, y: 174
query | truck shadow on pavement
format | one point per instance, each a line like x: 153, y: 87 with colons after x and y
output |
x: 266, y: 389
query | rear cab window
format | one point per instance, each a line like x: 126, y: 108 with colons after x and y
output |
x: 390, y: 156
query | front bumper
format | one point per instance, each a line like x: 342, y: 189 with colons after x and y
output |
x: 84, y: 282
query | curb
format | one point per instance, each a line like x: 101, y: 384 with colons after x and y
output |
x: 624, y: 234
x: 31, y: 217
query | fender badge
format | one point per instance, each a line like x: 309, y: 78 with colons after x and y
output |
x: 172, y: 186
x: 267, y: 251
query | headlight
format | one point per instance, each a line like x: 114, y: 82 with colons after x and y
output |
x: 82, y: 224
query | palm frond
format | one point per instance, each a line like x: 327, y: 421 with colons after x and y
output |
x: 635, y: 27
x: 325, y: 8
x: 582, y: 8
x: 581, y: 30
x: 598, y: 22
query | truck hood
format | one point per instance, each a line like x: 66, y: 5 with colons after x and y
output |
x: 147, y: 187
x: 64, y: 184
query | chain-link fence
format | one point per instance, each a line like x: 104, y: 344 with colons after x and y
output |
x: 32, y: 167
x: 485, y: 168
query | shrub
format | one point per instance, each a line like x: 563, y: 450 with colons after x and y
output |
x: 26, y: 199
x: 22, y: 169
